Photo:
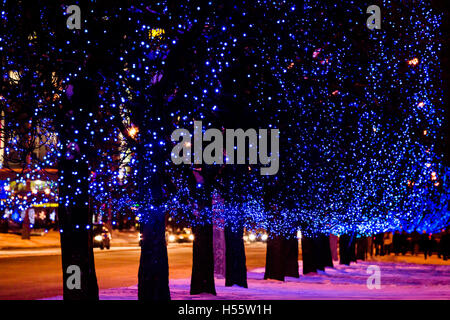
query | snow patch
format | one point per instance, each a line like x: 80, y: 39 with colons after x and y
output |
x: 399, y: 281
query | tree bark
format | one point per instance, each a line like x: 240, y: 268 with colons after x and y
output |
x: 275, y: 266
x: 343, y: 249
x: 202, y: 279
x: 309, y: 257
x: 326, y: 256
x: 219, y: 252
x: 74, y: 212
x: 3, y: 225
x: 361, y: 248
x: 334, y: 247
x: 346, y: 249
x: 153, y: 284
x: 353, y: 248
x: 235, y: 270
x: 318, y: 252
x: 75, y: 219
x: 26, y: 226
x: 291, y: 257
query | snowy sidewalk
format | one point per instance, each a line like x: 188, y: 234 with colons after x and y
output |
x: 13, y: 241
x: 55, y: 251
x: 10, y: 241
x: 419, y: 259
x: 398, y: 281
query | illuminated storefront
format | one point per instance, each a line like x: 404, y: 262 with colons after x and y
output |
x: 36, y: 198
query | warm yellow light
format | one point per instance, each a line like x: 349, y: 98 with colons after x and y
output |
x: 14, y: 75
x: 413, y: 62
x: 433, y: 176
x: 121, y: 174
x: 133, y: 131
x: 156, y: 33
x: 45, y: 205
x: 32, y: 36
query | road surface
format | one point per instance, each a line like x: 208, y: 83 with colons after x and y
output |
x: 37, y: 274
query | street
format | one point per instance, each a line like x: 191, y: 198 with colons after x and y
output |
x: 39, y: 275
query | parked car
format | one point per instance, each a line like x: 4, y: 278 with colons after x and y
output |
x: 102, y: 237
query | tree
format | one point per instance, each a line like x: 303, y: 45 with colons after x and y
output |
x: 54, y: 97
x: 359, y: 114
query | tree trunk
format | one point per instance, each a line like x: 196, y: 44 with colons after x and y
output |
x: 346, y: 249
x: 235, y: 270
x: 109, y: 222
x: 202, y: 279
x: 219, y: 252
x: 275, y: 266
x: 343, y: 249
x: 334, y: 247
x: 353, y: 248
x: 219, y: 243
x: 361, y: 248
x: 75, y: 219
x: 318, y: 252
x: 26, y: 226
x: 153, y: 276
x: 325, y: 248
x: 309, y: 257
x: 3, y: 225
x: 291, y: 257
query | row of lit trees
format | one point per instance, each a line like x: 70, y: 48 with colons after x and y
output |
x: 113, y: 92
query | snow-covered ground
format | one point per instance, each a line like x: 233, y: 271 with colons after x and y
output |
x: 50, y: 239
x: 398, y: 281
x: 53, y: 251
